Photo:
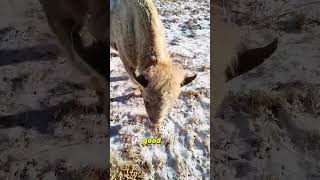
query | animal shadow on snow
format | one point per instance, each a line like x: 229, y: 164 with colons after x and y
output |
x: 41, y: 52
x: 41, y: 119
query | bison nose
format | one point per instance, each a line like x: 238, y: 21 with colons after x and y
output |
x: 156, y: 121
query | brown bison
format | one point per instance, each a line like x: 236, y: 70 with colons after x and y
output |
x: 138, y: 34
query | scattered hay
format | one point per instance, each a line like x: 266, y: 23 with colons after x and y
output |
x: 139, y: 118
x: 256, y: 102
x: 190, y: 94
x: 126, y: 169
x: 295, y: 97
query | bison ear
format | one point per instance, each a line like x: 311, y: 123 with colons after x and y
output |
x: 141, y: 80
x: 188, y: 80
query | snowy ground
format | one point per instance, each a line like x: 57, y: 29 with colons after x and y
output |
x: 48, y: 124
x: 49, y: 121
x: 45, y: 132
x: 270, y: 128
x: 184, y: 151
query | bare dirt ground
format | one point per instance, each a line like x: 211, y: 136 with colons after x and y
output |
x: 48, y: 119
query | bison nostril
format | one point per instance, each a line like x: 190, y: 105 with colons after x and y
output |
x: 156, y: 121
x: 153, y: 120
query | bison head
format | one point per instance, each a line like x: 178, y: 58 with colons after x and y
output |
x: 162, y: 85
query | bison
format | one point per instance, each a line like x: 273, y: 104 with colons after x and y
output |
x: 137, y: 33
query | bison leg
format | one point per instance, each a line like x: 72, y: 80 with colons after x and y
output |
x: 64, y: 29
x: 101, y: 90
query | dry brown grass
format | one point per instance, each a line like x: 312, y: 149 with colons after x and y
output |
x: 191, y: 94
x: 127, y: 169
x: 139, y: 118
x: 256, y: 102
x: 296, y: 97
x: 312, y: 100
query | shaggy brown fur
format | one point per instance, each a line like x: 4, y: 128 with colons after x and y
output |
x: 231, y: 58
x: 138, y: 34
